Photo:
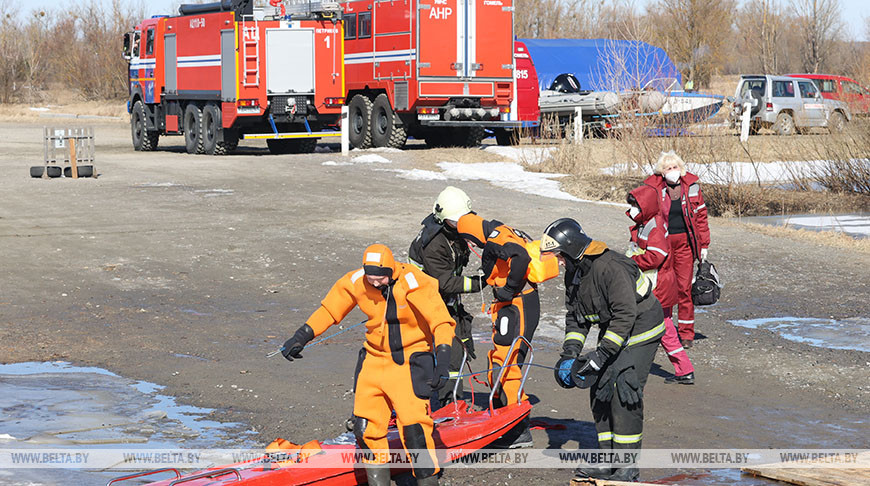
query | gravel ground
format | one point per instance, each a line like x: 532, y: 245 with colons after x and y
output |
x: 186, y: 270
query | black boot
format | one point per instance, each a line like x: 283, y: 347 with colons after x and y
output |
x: 599, y: 472
x: 378, y: 475
x: 628, y: 473
x: 520, y: 436
x: 687, y: 379
x: 429, y: 481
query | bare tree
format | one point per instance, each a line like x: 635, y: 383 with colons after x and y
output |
x: 694, y: 33
x: 12, y: 64
x: 759, y: 25
x: 820, y: 26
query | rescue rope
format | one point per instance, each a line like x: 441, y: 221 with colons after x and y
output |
x: 273, y: 353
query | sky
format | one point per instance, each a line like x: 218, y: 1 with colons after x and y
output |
x: 855, y: 12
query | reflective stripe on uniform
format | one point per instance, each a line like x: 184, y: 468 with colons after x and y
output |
x: 466, y: 284
x: 671, y: 353
x: 416, y: 264
x: 605, y: 436
x: 453, y: 375
x: 658, y: 250
x: 578, y: 336
x: 626, y: 439
x: 681, y: 321
x: 592, y: 318
x: 646, y: 336
x: 700, y: 207
x: 694, y: 190
x: 359, y: 273
x: 612, y: 336
x: 642, y: 285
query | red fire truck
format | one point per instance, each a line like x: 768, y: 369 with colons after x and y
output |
x: 441, y: 70
x: 219, y: 72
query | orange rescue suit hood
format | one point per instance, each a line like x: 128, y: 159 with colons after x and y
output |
x: 378, y: 261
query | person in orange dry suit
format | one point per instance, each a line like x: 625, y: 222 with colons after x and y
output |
x: 515, y: 312
x: 399, y: 370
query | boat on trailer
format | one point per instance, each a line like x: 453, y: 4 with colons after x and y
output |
x: 459, y: 430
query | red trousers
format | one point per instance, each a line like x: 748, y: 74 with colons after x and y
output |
x: 684, y: 268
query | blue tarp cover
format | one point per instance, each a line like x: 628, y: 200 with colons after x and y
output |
x: 600, y: 64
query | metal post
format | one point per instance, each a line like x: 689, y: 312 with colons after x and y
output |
x: 744, y: 122
x: 578, y: 125
x: 345, y: 142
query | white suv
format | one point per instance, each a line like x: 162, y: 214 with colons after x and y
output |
x: 786, y: 104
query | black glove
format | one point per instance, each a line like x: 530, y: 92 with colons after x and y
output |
x: 442, y: 364
x: 503, y: 294
x: 604, y: 388
x: 628, y: 387
x: 571, y: 350
x: 468, y: 344
x: 591, y: 363
x: 293, y: 346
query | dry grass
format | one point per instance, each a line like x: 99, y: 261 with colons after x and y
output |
x: 59, y: 100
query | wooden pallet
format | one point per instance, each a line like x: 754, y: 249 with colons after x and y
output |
x: 817, y: 477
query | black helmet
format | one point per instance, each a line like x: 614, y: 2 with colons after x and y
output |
x: 566, y: 236
x: 565, y: 83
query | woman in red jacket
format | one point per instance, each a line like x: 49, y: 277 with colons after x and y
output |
x: 649, y: 248
x: 683, y: 208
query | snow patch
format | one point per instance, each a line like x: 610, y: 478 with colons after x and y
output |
x: 743, y: 172
x: 40, y: 108
x: 529, y: 155
x: 513, y: 176
x: 420, y: 175
x: 332, y: 162
x: 371, y: 159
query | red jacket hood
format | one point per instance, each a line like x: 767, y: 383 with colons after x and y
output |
x: 647, y: 200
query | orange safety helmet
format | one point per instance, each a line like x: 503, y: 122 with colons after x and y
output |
x: 378, y: 261
x: 470, y: 227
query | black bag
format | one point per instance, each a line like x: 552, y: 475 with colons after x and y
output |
x: 706, y: 289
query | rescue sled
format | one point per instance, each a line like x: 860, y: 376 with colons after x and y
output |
x: 459, y: 431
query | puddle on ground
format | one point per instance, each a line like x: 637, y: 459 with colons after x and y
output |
x: 850, y: 333
x: 56, y: 405
x: 855, y: 225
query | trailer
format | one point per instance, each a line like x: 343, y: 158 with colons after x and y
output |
x: 220, y: 72
x: 440, y: 70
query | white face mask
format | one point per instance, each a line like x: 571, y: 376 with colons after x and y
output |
x: 673, y: 176
x: 633, y: 212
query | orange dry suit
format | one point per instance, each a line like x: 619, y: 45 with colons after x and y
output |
x: 407, y: 319
x: 517, y: 307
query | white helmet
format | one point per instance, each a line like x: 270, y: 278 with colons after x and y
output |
x: 451, y: 204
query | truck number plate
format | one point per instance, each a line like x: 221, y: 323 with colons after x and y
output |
x: 427, y: 116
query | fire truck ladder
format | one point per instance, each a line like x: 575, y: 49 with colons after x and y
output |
x: 250, y: 53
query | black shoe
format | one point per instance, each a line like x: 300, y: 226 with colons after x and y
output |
x: 687, y: 343
x: 599, y: 472
x: 627, y: 474
x: 681, y: 380
x: 517, y: 438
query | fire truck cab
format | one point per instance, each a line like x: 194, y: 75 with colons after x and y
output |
x: 223, y: 71
x: 441, y: 70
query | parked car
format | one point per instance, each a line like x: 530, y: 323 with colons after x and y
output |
x: 841, y: 88
x: 786, y: 105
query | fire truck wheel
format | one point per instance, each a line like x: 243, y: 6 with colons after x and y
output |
x: 305, y: 146
x: 211, y: 124
x: 382, y: 121
x: 437, y: 137
x: 143, y: 140
x: 506, y: 137
x: 229, y: 143
x: 467, y: 136
x: 360, y: 112
x: 280, y: 146
x: 193, y: 129
x: 398, y: 137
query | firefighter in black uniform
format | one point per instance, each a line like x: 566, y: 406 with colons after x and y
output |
x: 441, y: 253
x: 606, y: 288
